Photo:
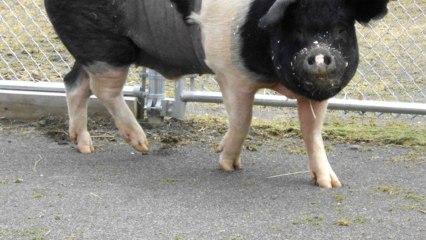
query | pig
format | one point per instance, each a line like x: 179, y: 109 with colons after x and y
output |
x: 304, y: 49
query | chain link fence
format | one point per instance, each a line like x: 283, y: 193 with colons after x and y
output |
x: 392, y: 69
x: 29, y: 47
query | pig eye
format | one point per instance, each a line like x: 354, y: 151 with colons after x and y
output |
x: 298, y: 33
x: 342, y: 30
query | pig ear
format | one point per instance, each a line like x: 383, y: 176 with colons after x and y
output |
x: 275, y: 14
x: 367, y: 10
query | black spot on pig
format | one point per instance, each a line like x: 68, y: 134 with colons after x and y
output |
x: 184, y: 7
x: 93, y: 32
x: 366, y: 10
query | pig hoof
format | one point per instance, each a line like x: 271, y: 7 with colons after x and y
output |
x: 226, y: 166
x: 237, y: 164
x: 83, y: 141
x: 86, y: 149
x: 142, y: 146
x: 136, y: 139
x: 229, y: 166
x: 327, y: 181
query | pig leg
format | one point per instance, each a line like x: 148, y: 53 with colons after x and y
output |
x: 107, y: 83
x: 77, y: 85
x: 238, y: 102
x: 311, y: 117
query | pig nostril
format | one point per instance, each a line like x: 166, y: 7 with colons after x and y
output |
x: 311, y: 60
x: 327, y: 60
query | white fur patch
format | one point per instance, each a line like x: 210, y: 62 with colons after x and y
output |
x: 194, y: 18
x: 319, y: 59
x: 222, y: 21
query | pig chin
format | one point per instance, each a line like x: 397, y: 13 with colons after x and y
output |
x: 319, y: 86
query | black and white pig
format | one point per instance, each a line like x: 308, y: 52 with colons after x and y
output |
x: 304, y: 49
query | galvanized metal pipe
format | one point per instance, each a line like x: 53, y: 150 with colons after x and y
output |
x: 263, y: 100
x: 56, y: 87
x: 334, y: 103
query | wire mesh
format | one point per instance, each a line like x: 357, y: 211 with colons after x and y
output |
x: 29, y: 47
x: 392, y: 51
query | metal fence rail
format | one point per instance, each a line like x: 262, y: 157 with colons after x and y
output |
x: 391, y: 76
x: 334, y: 103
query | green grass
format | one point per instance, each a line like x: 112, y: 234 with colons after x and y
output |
x: 405, y: 193
x: 393, y: 133
x: 237, y: 238
x: 38, y: 196
x: 35, y: 233
x: 413, y: 201
x: 348, y: 222
x: 19, y: 180
x: 343, y: 222
x: 338, y: 132
x: 340, y: 198
x: 167, y: 181
x: 335, y: 130
x: 360, y: 220
x: 314, y: 220
x: 415, y: 155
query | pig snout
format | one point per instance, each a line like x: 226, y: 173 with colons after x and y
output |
x: 320, y: 69
x: 319, y: 62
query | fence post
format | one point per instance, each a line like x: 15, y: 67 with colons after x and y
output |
x: 140, y: 94
x: 175, y: 107
x: 155, y: 97
x: 179, y: 106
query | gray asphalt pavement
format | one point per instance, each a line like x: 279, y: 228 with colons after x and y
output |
x: 50, y: 191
